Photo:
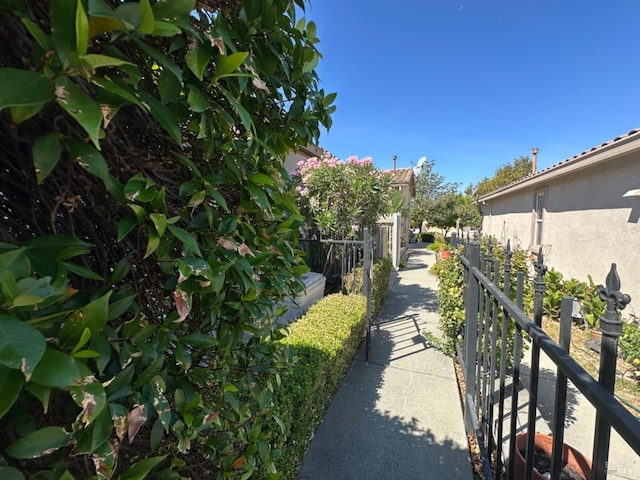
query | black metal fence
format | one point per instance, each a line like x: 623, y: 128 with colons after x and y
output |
x: 495, y: 334
x: 334, y: 259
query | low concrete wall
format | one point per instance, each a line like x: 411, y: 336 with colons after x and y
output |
x: 314, y: 291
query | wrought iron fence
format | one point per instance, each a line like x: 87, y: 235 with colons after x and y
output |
x: 492, y: 373
x: 337, y: 258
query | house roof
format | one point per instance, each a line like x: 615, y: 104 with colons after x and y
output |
x: 403, y: 176
x: 600, y: 153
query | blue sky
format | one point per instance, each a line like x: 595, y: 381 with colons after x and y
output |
x: 475, y: 84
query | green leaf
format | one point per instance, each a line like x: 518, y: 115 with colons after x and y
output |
x: 91, y: 159
x: 165, y: 29
x: 261, y: 179
x: 82, y: 29
x: 149, y: 372
x: 126, y: 225
x: 198, y: 101
x: 141, y: 469
x: 146, y: 17
x: 41, y: 393
x: 116, y: 89
x: 92, y: 316
x: 173, y: 9
x: 39, y: 443
x: 199, y: 340
x: 10, y: 473
x: 81, y: 107
x: 31, y: 291
x: 198, y: 58
x: 22, y: 346
x: 62, y: 16
x: 82, y: 271
x: 96, y: 61
x: 160, y: 58
x: 169, y: 87
x: 153, y: 243
x: 226, y: 64
x: 187, y: 239
x: 24, y: 88
x: 46, y: 154
x: 11, y: 382
x: 84, y: 338
x: 159, y: 221
x: 17, y: 261
x: 120, y: 271
x: 20, y: 114
x: 164, y: 116
x: 245, y: 117
x: 38, y: 34
x: 56, y: 369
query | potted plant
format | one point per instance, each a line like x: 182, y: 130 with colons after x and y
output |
x: 572, y: 459
x: 445, y: 251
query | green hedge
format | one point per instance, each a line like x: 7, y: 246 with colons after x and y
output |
x: 379, y: 284
x: 325, y: 341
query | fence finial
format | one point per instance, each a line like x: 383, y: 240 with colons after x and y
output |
x: 539, y: 266
x: 611, y: 293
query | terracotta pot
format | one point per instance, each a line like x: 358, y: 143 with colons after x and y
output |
x: 446, y: 254
x: 570, y: 455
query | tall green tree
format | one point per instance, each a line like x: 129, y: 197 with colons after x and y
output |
x: 511, y: 172
x: 430, y: 186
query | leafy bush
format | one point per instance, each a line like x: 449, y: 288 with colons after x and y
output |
x: 426, y: 237
x: 434, y: 247
x: 451, y: 299
x: 343, y: 197
x: 147, y: 231
x: 325, y: 341
x: 630, y: 341
x: 379, y: 285
x: 451, y: 302
x: 593, y: 307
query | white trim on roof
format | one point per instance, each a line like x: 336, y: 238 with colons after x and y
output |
x: 602, y: 153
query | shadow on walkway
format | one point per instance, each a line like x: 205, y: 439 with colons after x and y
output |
x: 397, y: 416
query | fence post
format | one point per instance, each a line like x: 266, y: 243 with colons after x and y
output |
x: 538, y: 309
x: 367, y: 267
x: 611, y: 327
x: 471, y: 334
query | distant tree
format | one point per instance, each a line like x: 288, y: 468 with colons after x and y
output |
x: 443, y: 213
x: 504, y: 175
x: 452, y: 209
x: 430, y: 186
x: 468, y: 212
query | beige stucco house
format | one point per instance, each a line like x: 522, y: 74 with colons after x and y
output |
x: 303, y: 153
x: 583, y: 213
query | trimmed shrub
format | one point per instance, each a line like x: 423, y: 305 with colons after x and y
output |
x: 379, y: 284
x: 325, y: 340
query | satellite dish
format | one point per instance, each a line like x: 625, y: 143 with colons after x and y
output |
x: 418, y: 167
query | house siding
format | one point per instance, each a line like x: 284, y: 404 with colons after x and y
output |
x: 587, y: 223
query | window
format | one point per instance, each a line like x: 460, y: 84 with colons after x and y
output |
x: 538, y: 219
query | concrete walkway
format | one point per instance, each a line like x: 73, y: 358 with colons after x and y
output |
x: 399, y: 415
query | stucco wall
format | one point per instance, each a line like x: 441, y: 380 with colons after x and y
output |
x: 588, y: 224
